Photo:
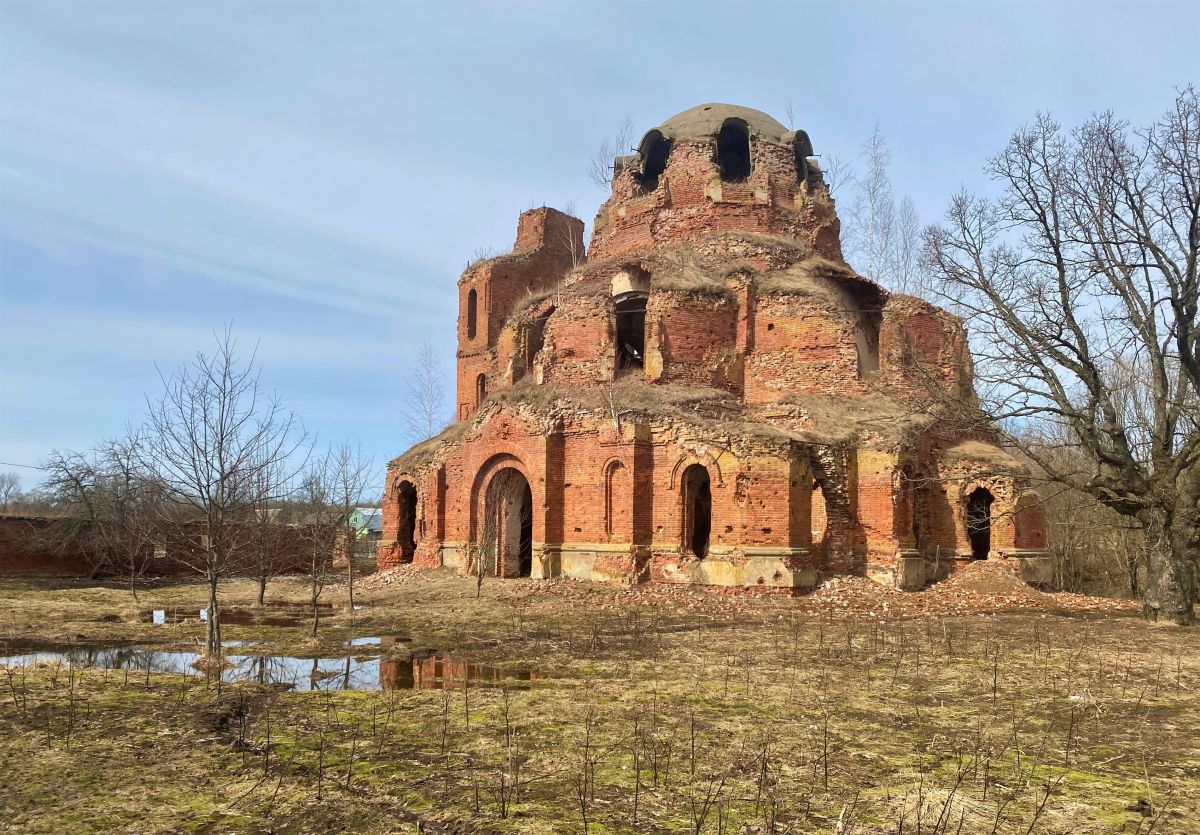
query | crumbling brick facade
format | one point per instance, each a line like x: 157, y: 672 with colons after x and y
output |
x: 711, y: 396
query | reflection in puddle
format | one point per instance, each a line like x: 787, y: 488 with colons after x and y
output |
x: 351, y: 672
x: 444, y: 672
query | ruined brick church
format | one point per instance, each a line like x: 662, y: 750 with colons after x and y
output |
x: 711, y: 395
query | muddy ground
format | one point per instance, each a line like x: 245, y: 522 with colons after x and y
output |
x: 978, y: 706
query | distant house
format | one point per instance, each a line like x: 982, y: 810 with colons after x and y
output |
x: 368, y: 525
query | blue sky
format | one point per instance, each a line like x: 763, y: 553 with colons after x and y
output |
x: 318, y: 173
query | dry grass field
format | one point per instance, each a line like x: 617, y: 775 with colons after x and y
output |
x: 975, y: 707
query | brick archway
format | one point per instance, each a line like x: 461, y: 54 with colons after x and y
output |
x: 503, y: 523
x: 978, y: 515
x: 502, y: 494
x: 708, y: 462
x: 695, y: 494
x: 406, y: 511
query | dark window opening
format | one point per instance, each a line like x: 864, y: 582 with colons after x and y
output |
x: 472, y: 301
x: 480, y: 389
x: 407, y: 534
x: 733, y: 151
x: 979, y: 522
x: 697, y: 510
x: 653, y: 153
x: 525, y: 547
x: 868, y: 300
x: 802, y: 147
x: 630, y: 312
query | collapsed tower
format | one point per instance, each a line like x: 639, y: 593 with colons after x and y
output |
x: 711, y: 395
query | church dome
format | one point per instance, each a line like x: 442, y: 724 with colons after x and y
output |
x: 705, y: 120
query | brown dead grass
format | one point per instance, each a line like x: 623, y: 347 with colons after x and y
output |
x: 804, y: 711
x: 979, y: 452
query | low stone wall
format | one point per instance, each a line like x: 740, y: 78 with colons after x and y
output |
x: 28, y: 546
x: 25, y: 548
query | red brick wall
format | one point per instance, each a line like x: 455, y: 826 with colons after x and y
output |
x: 26, y: 547
x: 721, y: 314
x: 549, y: 243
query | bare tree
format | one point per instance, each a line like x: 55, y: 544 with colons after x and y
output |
x: 110, y: 505
x: 10, y: 486
x: 351, y: 474
x: 210, y: 435
x: 574, y: 246
x: 320, y: 526
x: 882, y: 237
x: 600, y: 167
x: 1096, y: 550
x: 425, y: 410
x: 906, y: 273
x: 837, y: 173
x: 870, y: 234
x: 268, y: 517
x: 1081, y: 287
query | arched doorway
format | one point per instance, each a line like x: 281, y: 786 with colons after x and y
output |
x: 697, y: 510
x: 979, y: 522
x: 507, y: 535
x: 406, y: 536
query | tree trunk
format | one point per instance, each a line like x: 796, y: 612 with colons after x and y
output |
x: 214, y: 617
x: 315, y: 591
x: 1170, y: 591
x: 350, y: 570
x: 262, y: 590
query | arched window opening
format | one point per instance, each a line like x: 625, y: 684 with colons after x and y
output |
x: 866, y: 305
x: 406, y: 536
x: 802, y: 149
x: 733, y: 151
x: 472, y: 303
x: 630, y: 312
x: 697, y: 510
x: 480, y: 389
x: 653, y: 152
x: 979, y: 522
x: 506, y: 541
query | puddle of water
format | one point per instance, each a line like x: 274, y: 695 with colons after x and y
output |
x: 365, y: 642
x: 369, y: 672
x: 282, y: 614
